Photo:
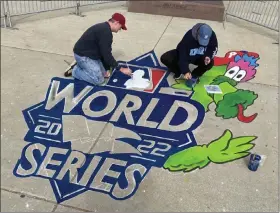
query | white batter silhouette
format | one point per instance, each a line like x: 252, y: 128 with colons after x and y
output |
x: 137, y: 80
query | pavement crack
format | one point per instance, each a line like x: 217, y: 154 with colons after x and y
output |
x: 28, y: 195
x: 43, y: 199
x: 40, y: 51
x: 54, y: 208
x: 261, y: 84
x: 98, y: 137
x: 90, y: 150
x: 163, y: 32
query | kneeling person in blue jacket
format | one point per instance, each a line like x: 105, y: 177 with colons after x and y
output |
x: 198, y: 46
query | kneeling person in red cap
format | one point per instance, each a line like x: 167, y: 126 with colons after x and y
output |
x: 93, y: 52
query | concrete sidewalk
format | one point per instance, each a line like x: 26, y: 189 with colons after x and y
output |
x: 35, y: 53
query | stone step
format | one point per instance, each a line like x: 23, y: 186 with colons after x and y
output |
x: 206, y: 10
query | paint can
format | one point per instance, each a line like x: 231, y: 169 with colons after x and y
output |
x: 191, y: 82
x: 254, y: 162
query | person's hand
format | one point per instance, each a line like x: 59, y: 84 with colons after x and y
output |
x: 188, y: 76
x: 207, y: 60
x: 107, y: 74
x: 126, y: 71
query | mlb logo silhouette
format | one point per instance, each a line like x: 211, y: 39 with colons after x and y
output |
x: 119, y: 80
x: 149, y: 73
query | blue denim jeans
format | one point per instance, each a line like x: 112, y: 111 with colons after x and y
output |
x: 91, y: 71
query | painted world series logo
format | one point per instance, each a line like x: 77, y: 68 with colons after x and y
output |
x: 106, y: 139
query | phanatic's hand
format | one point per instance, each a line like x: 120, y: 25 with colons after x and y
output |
x: 234, y: 104
x: 221, y: 150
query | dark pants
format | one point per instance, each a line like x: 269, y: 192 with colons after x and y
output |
x: 170, y: 59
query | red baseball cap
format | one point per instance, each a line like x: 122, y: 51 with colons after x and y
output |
x: 120, y: 18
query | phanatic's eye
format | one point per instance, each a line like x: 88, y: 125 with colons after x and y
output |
x: 232, y: 72
x: 240, y: 75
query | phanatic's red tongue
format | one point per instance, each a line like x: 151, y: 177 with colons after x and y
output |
x: 242, y: 118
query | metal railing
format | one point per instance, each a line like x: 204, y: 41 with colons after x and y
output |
x: 263, y: 13
x: 5, y: 13
x: 17, y: 8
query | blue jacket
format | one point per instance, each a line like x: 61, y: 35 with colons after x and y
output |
x: 189, y: 50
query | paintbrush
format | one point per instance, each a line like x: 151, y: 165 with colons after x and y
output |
x: 129, y: 68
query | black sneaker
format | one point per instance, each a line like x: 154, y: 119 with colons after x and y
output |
x: 68, y: 71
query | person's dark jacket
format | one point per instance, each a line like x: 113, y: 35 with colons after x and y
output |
x: 96, y: 43
x: 189, y: 50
